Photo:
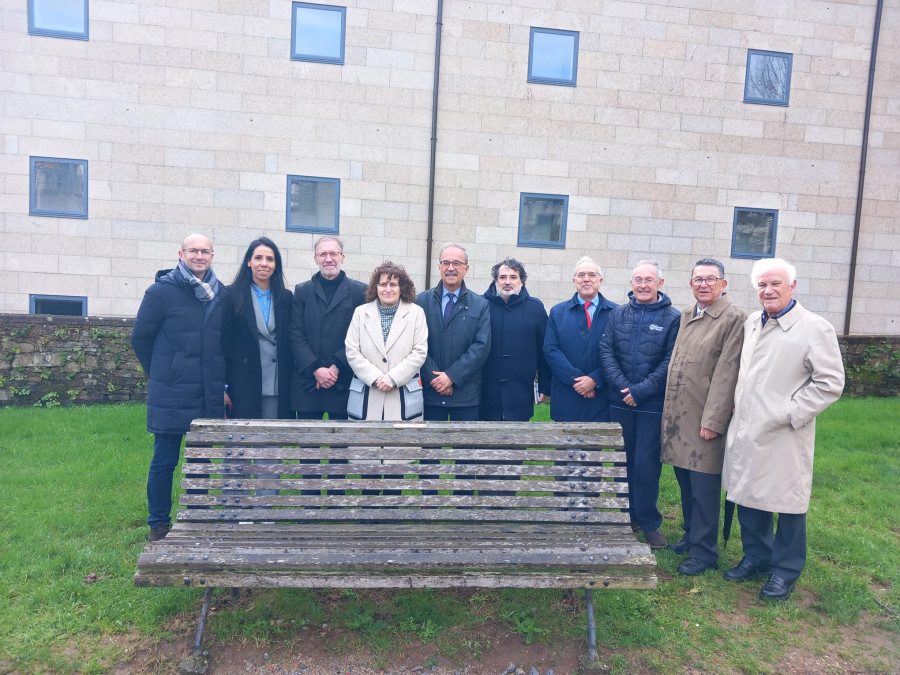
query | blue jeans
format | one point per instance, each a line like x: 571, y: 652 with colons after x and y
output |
x: 166, y: 452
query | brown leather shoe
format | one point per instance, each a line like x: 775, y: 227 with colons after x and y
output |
x: 159, y: 532
x: 656, y: 539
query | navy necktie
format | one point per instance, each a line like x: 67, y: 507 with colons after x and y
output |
x: 448, y: 310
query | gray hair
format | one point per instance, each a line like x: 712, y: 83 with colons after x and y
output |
x: 710, y: 262
x: 512, y: 264
x: 764, y: 265
x: 583, y: 260
x: 328, y: 237
x: 650, y: 262
x: 451, y: 244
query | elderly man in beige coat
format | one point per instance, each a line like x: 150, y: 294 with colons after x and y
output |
x: 699, y: 398
x: 791, y: 370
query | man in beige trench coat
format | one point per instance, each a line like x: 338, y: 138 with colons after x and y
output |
x: 699, y: 398
x: 791, y: 370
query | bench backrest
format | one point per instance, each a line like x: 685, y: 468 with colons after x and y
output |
x: 480, y: 471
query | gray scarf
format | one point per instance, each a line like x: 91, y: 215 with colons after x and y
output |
x: 204, y: 291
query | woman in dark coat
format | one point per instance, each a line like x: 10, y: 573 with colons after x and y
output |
x: 258, y: 361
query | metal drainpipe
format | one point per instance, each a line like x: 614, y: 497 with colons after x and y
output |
x: 429, y: 237
x: 862, y: 169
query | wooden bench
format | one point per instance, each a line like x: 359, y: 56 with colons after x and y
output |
x: 526, y: 506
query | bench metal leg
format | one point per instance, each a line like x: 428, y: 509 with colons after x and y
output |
x: 592, y: 629
x: 197, y: 661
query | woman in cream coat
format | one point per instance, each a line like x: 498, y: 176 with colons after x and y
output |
x: 387, y: 340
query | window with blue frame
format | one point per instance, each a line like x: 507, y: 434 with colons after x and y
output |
x: 58, y: 187
x: 542, y: 220
x: 754, y: 233
x: 58, y: 18
x: 313, y: 204
x: 317, y: 33
x: 768, y: 78
x: 553, y: 56
x: 65, y: 305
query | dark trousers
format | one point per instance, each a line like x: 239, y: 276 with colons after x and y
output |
x: 317, y: 415
x: 439, y: 413
x: 641, y: 432
x: 166, y: 453
x: 784, y: 551
x: 701, y: 500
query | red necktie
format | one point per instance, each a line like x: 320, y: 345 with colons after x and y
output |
x: 587, y: 313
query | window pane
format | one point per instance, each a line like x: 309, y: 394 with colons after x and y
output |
x: 312, y: 204
x: 55, y: 304
x: 60, y: 16
x: 318, y: 33
x: 58, y: 187
x: 768, y: 78
x: 553, y: 56
x: 754, y: 233
x: 542, y: 219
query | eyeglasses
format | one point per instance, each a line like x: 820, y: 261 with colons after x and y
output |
x: 455, y: 264
x: 709, y: 281
x: 587, y: 275
x: 329, y: 254
x: 195, y: 251
x: 645, y: 281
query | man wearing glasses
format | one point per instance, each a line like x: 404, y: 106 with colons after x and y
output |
x: 634, y: 355
x: 702, y: 375
x: 321, y: 314
x: 459, y: 341
x: 577, y: 388
x: 177, y: 338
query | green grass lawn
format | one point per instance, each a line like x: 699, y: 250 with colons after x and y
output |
x: 74, y: 479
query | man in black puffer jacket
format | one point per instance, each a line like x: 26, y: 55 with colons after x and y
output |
x: 634, y: 355
x: 177, y: 337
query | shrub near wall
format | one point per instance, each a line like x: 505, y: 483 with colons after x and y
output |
x: 63, y: 360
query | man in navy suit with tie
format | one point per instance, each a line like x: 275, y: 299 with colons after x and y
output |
x: 577, y: 390
x: 459, y: 341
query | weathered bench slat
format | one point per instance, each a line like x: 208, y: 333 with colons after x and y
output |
x: 534, y: 436
x: 370, y: 452
x: 436, y: 515
x: 584, y: 580
x: 342, y: 426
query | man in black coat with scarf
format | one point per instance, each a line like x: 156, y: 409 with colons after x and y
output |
x: 322, y: 310
x: 177, y: 338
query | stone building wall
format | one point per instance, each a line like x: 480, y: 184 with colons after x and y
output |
x: 62, y: 360
x: 191, y: 115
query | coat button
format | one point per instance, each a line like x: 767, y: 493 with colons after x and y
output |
x: 273, y: 360
x: 384, y: 360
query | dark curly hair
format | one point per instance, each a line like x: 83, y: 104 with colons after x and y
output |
x: 407, y: 287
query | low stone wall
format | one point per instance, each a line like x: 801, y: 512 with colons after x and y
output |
x: 64, y: 360
x: 872, y: 364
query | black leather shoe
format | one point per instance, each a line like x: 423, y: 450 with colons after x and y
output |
x: 694, y: 566
x: 680, y: 546
x: 776, y: 588
x: 745, y: 571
